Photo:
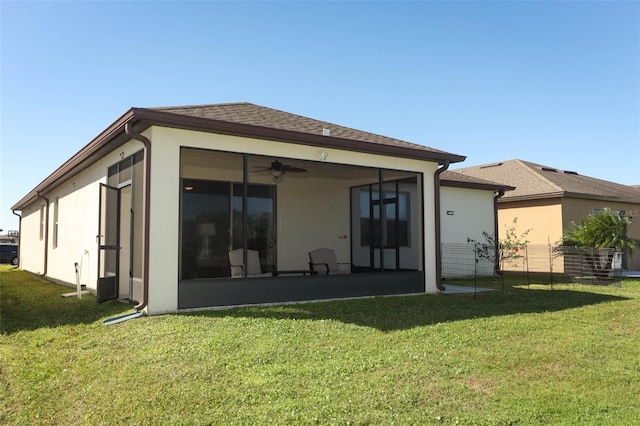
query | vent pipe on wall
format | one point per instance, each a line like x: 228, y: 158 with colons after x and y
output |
x: 436, y: 196
x: 145, y: 215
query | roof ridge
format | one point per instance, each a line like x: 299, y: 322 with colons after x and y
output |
x: 198, y: 105
x: 532, y: 170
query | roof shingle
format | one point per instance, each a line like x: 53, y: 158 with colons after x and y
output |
x: 533, y: 180
x: 256, y: 115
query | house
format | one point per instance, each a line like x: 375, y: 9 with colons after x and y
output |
x: 547, y: 200
x: 150, y: 209
x: 468, y: 211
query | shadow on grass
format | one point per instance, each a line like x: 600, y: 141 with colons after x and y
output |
x: 405, y: 312
x: 29, y: 302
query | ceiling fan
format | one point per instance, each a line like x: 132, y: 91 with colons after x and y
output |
x: 277, y: 169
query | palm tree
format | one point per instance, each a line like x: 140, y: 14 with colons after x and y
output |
x: 602, y: 230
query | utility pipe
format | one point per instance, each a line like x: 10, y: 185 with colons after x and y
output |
x: 46, y: 232
x: 19, y: 232
x: 145, y: 214
x: 436, y: 196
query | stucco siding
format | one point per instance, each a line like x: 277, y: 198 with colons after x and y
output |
x: 164, y: 227
x: 315, y: 209
x: 471, y: 212
x: 543, y: 219
x: 77, y: 201
x: 31, y: 245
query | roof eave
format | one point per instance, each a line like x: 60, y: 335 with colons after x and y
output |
x: 563, y: 194
x: 512, y: 198
x: 476, y: 185
x: 600, y: 197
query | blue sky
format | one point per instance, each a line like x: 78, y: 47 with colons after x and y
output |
x: 557, y: 83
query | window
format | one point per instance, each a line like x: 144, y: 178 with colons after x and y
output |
x: 55, y: 222
x: 212, y: 224
x: 122, y: 173
x: 41, y: 223
x: 621, y: 213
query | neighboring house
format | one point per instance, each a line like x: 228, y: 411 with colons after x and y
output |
x: 547, y: 200
x: 10, y: 237
x: 151, y: 208
x: 468, y: 209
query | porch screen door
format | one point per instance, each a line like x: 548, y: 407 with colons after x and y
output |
x: 108, y: 239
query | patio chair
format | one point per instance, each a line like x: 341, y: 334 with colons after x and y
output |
x: 253, y: 264
x: 324, y: 262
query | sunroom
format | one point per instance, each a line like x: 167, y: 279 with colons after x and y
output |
x: 284, y: 208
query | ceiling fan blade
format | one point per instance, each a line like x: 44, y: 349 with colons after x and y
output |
x: 259, y: 169
x: 293, y: 169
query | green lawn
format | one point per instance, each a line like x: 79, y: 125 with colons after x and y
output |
x: 528, y: 356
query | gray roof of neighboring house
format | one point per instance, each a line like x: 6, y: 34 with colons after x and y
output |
x: 535, y: 181
x: 237, y: 119
x: 451, y: 178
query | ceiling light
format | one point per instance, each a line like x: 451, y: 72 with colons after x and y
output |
x: 277, y: 174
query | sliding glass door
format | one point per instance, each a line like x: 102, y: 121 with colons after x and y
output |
x: 382, y: 226
x: 212, y: 225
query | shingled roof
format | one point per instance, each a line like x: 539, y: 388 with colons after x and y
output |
x: 534, y: 181
x: 257, y: 116
x: 451, y: 178
x: 237, y: 119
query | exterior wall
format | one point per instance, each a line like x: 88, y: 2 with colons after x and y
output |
x: 542, y: 217
x: 473, y: 214
x: 577, y: 209
x: 548, y: 219
x: 316, y: 209
x: 31, y: 245
x: 165, y: 196
x: 543, y: 220
x: 78, y: 202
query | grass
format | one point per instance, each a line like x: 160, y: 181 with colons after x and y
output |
x: 530, y: 355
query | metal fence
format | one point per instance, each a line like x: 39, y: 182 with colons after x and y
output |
x: 468, y: 265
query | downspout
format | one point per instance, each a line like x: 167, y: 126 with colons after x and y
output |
x: 19, y: 232
x: 46, y: 233
x: 436, y: 196
x: 499, y: 193
x: 145, y: 215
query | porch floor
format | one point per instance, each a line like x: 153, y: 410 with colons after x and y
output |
x: 283, y: 289
x: 458, y: 289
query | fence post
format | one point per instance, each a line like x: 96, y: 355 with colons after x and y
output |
x: 475, y: 269
x: 525, y: 265
x: 550, y: 265
x: 502, y: 271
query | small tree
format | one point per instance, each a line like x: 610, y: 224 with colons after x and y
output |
x: 605, y: 229
x: 506, y: 249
